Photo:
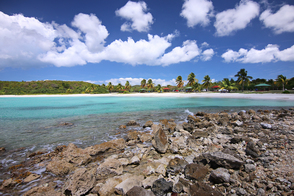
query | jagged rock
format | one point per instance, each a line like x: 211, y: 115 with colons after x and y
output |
x: 134, y: 160
x: 161, y: 169
x: 193, y: 119
x: 200, y: 114
x: 127, y: 184
x: 203, y: 189
x: 161, y: 187
x: 146, y: 137
x: 260, y: 192
x: 251, y: 112
x: 220, y: 175
x: 139, y: 191
x: 122, y: 127
x: 177, y: 188
x: 110, y: 167
x: 236, y: 140
x: 188, y: 127
x: 132, y: 123
x: 110, y: 146
x: 265, y: 125
x: 223, y: 121
x: 204, y: 124
x: 108, y: 187
x: 31, y: 177
x: 249, y: 168
x: 177, y: 143
x: 252, y: 150
x: 238, y: 123
x: 44, y: 191
x: 241, y: 191
x: 80, y: 182
x: 195, y: 171
x: 132, y: 135
x: 148, y: 182
x: 171, y: 127
x: 220, y: 159
x: 59, y: 167
x: 176, y: 166
x: 156, y: 128
x: 197, y: 134
x: 8, y: 183
x: 160, y: 141
x: 148, y: 124
x: 75, y: 155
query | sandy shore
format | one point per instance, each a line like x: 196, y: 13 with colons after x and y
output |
x: 208, y: 95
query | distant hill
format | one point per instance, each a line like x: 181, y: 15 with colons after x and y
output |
x: 49, y: 87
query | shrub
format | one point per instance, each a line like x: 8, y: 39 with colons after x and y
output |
x: 286, y: 92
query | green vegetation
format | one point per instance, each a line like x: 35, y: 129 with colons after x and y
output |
x: 243, y: 78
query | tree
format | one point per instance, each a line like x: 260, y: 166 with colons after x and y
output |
x: 103, y: 85
x: 206, y: 82
x: 143, y: 83
x: 243, y: 77
x: 159, y: 88
x: 110, y: 86
x: 127, y: 85
x: 282, y: 80
x: 197, y: 86
x: 150, y: 83
x: 179, y: 82
x: 119, y: 87
x: 228, y: 84
x: 191, y: 79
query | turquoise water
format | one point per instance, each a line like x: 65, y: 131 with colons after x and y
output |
x: 33, y: 122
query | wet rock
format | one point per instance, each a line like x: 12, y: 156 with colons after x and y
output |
x: 80, y: 182
x: 139, y: 191
x: 2, y: 149
x: 75, y: 155
x: 203, y: 189
x: 122, y: 127
x: 200, y: 114
x: 265, y: 125
x: 59, y: 167
x: 127, y: 184
x: 110, y: 146
x: 160, y: 141
x: 220, y: 159
x: 132, y: 123
x: 161, y: 187
x: 31, y: 178
x: 176, y: 166
x: 148, y: 124
x: 65, y: 124
x: 220, y: 175
x: 195, y: 171
x: 193, y: 119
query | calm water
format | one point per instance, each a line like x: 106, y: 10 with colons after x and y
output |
x: 34, y: 122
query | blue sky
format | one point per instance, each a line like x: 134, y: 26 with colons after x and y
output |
x: 116, y: 40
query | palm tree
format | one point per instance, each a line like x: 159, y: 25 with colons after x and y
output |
x: 119, y: 87
x: 159, y: 88
x: 206, y: 82
x: 228, y: 84
x: 103, y: 85
x: 110, y: 86
x: 243, y: 77
x: 191, y: 79
x: 143, y: 83
x: 179, y: 82
x: 197, y: 86
x: 150, y: 83
x: 127, y: 85
x: 282, y: 80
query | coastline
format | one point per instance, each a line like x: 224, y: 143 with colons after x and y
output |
x: 288, y: 97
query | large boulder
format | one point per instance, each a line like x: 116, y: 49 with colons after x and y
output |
x: 195, y: 171
x: 160, y: 141
x: 80, y: 182
x: 59, y: 167
x: 110, y: 146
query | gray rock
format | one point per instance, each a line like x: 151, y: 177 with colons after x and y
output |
x: 160, y: 141
x: 161, y: 187
x: 265, y: 125
x: 178, y: 187
x: 260, y: 192
x: 249, y: 168
x: 139, y: 191
x: 220, y: 175
x: 220, y: 159
x: 241, y: 191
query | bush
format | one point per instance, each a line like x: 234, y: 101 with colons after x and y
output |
x: 286, y: 92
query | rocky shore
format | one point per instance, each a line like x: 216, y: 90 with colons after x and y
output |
x: 245, y: 153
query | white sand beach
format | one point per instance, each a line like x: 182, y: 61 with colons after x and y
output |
x: 289, y: 97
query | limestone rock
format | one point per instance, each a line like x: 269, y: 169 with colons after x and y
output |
x: 59, y: 167
x: 203, y: 189
x: 8, y: 183
x: 110, y: 167
x: 220, y: 175
x: 42, y: 191
x: 31, y: 177
x: 75, y: 155
x: 127, y: 184
x: 80, y: 182
x: 148, y: 124
x: 176, y: 166
x: 108, y: 187
x: 195, y: 171
x: 197, y: 134
x: 132, y: 135
x: 177, y: 143
x: 146, y: 137
x: 110, y: 146
x: 160, y: 141
x: 132, y: 123
x: 139, y: 191
x: 148, y: 182
x: 161, y: 187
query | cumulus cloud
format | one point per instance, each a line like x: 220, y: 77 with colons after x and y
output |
x: 232, y: 20
x: 135, y: 13
x: 207, y: 54
x: 270, y: 53
x: 197, y: 12
x: 281, y: 21
x: 137, y: 81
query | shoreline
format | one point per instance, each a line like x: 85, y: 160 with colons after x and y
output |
x: 288, y: 97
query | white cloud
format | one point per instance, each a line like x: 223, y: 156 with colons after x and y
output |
x: 281, y: 21
x: 205, y: 45
x: 137, y: 81
x: 232, y: 20
x: 271, y: 53
x: 207, y: 54
x: 197, y: 12
x: 136, y: 13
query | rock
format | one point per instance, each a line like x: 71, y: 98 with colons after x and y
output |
x: 110, y: 167
x: 59, y: 167
x: 139, y: 191
x: 241, y: 191
x: 148, y: 182
x: 251, y: 150
x: 160, y: 141
x: 31, y: 177
x: 161, y: 187
x: 146, y: 137
x: 178, y: 187
x: 161, y: 169
x: 193, y: 119
x: 132, y: 135
x: 265, y: 125
x: 134, y: 160
x: 132, y: 123
x: 251, y: 112
x: 2, y: 149
x: 195, y: 171
x: 223, y: 121
x: 75, y: 155
x: 236, y: 140
x: 164, y: 122
x: 200, y: 114
x: 197, y: 134
x: 65, y: 124
x: 171, y: 127
x: 249, y: 168
x: 202, y: 189
x: 176, y: 166
x: 155, y: 128
x: 42, y: 191
x: 238, y: 123
x: 188, y: 127
x: 80, y: 182
x: 177, y: 143
x: 260, y: 192
x: 127, y: 184
x: 220, y: 159
x: 110, y: 146
x: 122, y: 127
x: 148, y: 124
x: 220, y: 175
x: 108, y: 187
x: 9, y: 183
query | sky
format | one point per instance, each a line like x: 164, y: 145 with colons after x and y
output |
x: 101, y: 41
